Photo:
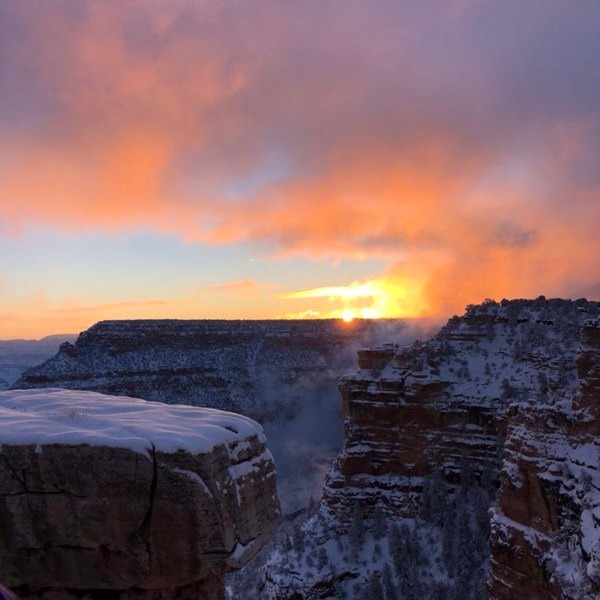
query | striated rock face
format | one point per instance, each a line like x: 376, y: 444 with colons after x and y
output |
x: 445, y: 402
x: 122, y: 498
x: 232, y: 365
x: 508, y: 393
x: 18, y: 355
x: 546, y: 526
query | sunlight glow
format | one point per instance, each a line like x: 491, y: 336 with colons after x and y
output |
x: 348, y: 316
x: 392, y: 296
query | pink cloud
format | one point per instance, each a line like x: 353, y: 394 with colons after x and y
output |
x: 433, y: 136
x: 245, y: 288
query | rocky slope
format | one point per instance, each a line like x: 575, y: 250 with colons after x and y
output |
x: 122, y: 498
x: 546, y: 525
x: 18, y: 355
x: 510, y: 389
x: 231, y: 365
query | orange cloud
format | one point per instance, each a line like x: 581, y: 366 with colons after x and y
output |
x: 37, y: 315
x: 430, y: 137
x: 245, y: 288
x: 107, y: 307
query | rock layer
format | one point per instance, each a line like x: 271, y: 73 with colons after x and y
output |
x: 231, y: 365
x: 111, y: 518
x: 546, y: 526
x: 18, y: 355
x: 508, y: 392
x: 445, y: 402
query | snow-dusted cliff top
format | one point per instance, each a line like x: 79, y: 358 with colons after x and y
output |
x: 56, y: 416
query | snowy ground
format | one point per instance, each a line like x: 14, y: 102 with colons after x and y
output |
x: 441, y: 554
x: 51, y: 416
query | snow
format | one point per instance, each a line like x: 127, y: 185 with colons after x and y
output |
x: 55, y: 416
x: 240, y: 549
x: 195, y: 478
x: 246, y: 468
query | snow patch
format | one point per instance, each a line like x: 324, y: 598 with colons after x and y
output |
x: 54, y: 416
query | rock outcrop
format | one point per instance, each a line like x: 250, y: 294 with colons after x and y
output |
x: 508, y: 393
x: 18, y: 355
x: 546, y: 526
x: 123, y: 498
x: 231, y: 365
x: 445, y: 402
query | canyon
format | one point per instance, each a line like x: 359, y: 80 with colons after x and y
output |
x: 231, y: 365
x: 469, y: 463
x: 498, y: 411
x: 17, y: 356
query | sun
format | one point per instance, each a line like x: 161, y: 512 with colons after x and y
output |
x: 348, y: 316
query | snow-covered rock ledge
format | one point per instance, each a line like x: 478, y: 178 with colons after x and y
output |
x: 121, y: 495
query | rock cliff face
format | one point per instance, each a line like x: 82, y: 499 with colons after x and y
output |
x: 18, y: 355
x: 508, y: 393
x: 445, y: 402
x: 231, y: 365
x: 546, y: 525
x: 122, y: 498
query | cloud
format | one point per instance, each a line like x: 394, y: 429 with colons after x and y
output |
x: 245, y: 288
x: 107, y: 307
x: 38, y: 314
x: 458, y: 141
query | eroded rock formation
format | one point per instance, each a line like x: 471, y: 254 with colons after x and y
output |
x: 546, y: 525
x: 445, y: 402
x: 508, y: 392
x: 231, y: 365
x: 18, y: 355
x: 122, y: 498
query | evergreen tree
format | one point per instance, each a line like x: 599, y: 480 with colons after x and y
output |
x: 356, y: 532
x: 396, y: 548
x: 377, y: 551
x: 433, y: 498
x: 322, y: 558
x: 388, y: 583
x: 374, y: 589
x: 379, y: 523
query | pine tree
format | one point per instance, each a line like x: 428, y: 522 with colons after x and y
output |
x: 373, y: 590
x: 379, y: 523
x: 322, y: 558
x: 297, y: 541
x: 388, y: 583
x: 433, y: 499
x: 377, y: 551
x: 396, y: 548
x: 356, y: 532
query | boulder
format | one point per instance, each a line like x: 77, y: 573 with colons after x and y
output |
x: 122, y: 498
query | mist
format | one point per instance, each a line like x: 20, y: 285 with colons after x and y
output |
x: 305, y: 432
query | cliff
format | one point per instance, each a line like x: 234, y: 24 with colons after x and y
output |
x: 231, y: 365
x: 18, y: 355
x: 546, y: 524
x: 505, y: 396
x: 122, y: 498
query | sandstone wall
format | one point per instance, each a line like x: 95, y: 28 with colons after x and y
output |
x: 116, y: 522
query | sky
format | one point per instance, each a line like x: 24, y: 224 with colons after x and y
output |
x: 279, y: 158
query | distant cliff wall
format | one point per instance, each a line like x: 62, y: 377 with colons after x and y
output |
x: 18, y: 355
x: 231, y: 365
